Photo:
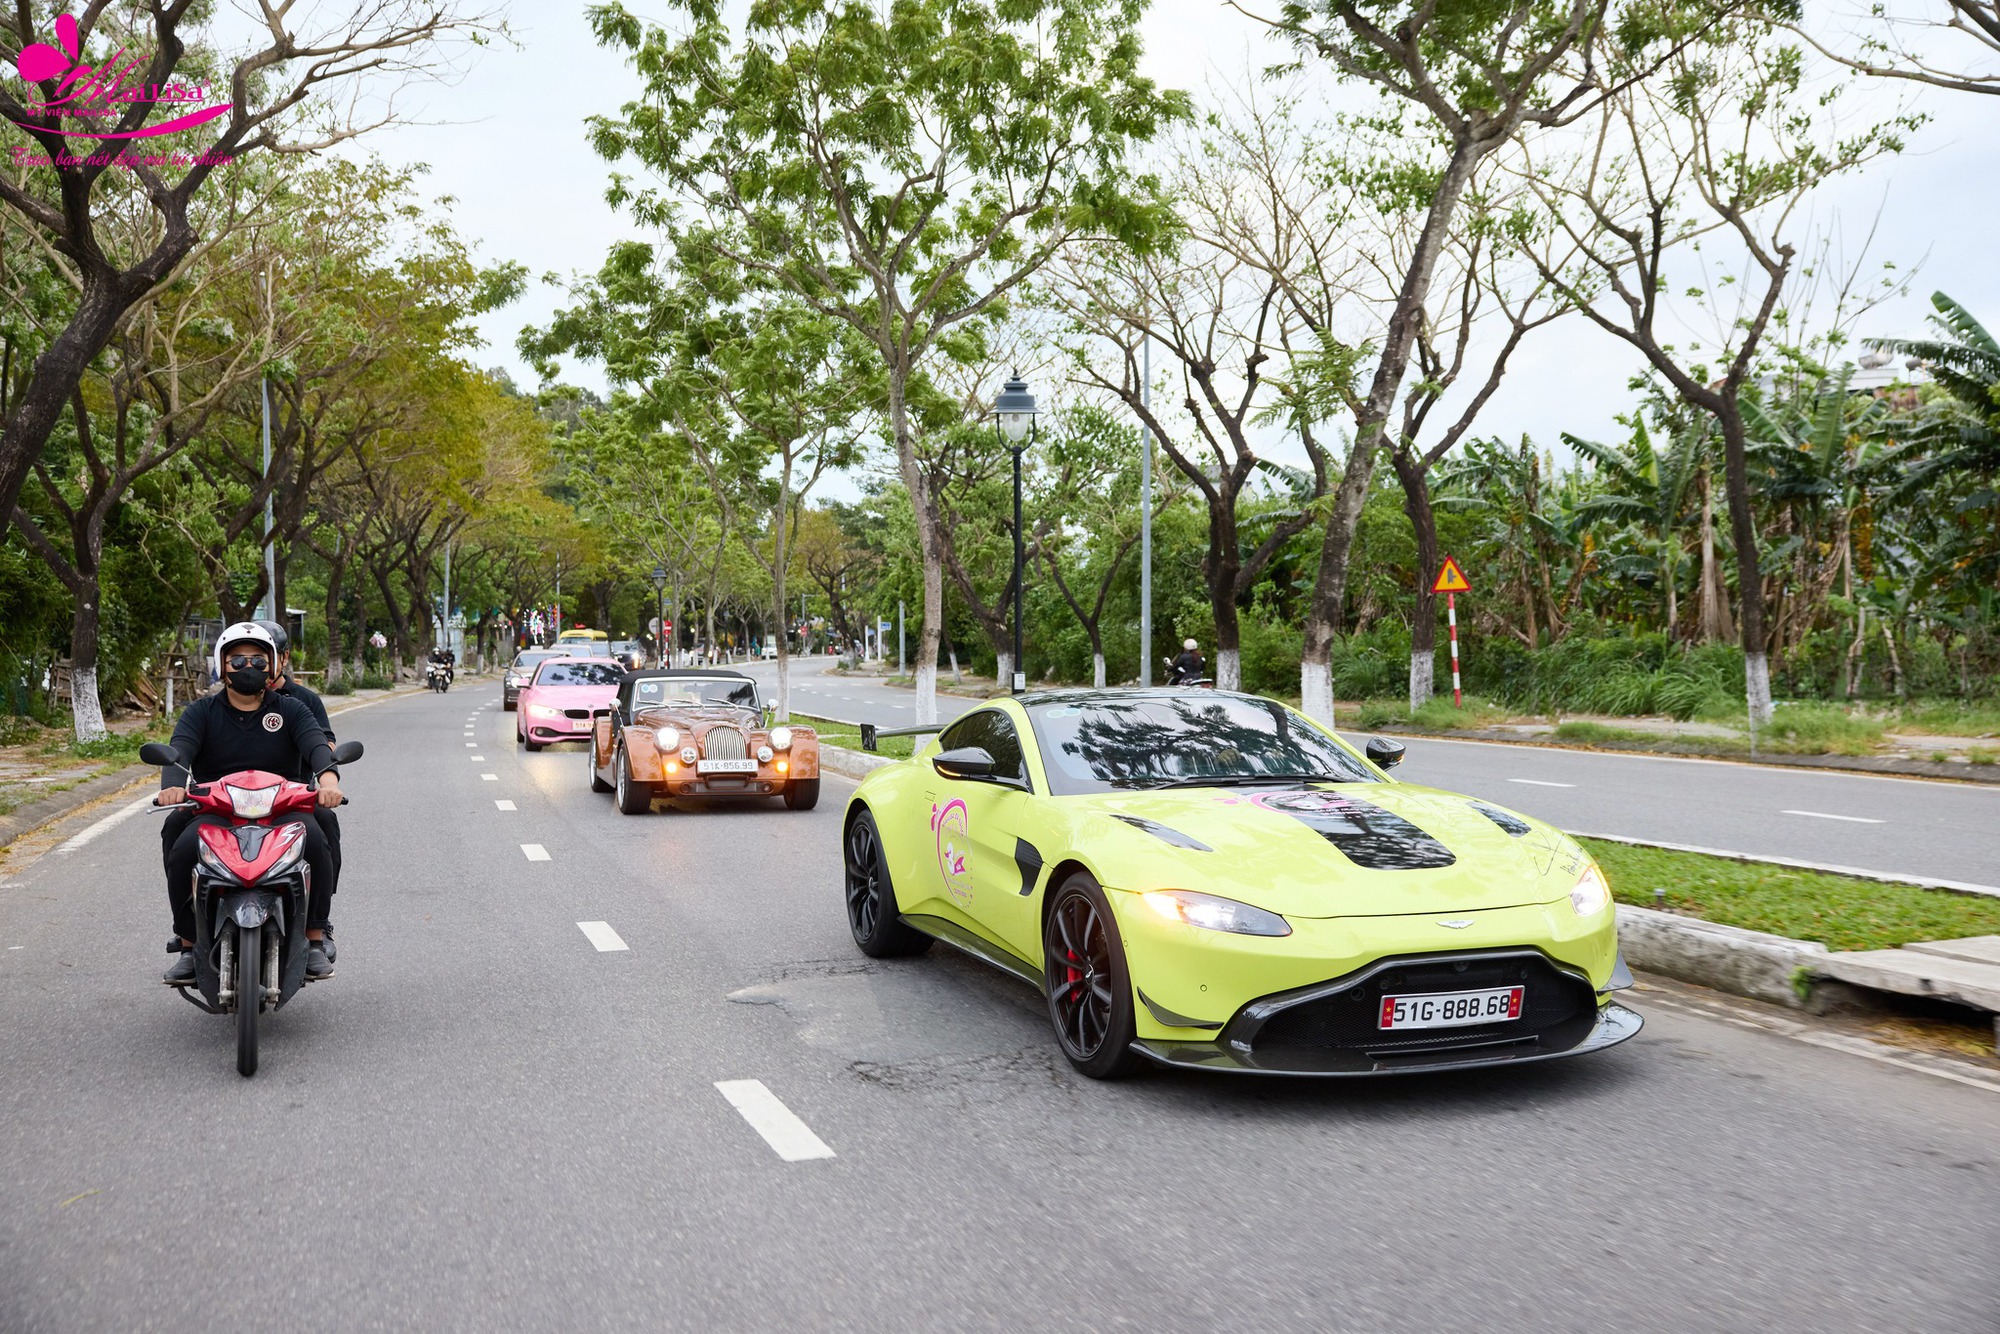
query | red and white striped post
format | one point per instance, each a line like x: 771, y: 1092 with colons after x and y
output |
x: 1451, y: 617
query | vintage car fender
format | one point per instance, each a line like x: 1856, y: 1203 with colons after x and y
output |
x: 642, y: 751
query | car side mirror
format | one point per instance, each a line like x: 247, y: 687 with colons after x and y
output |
x: 964, y: 762
x: 159, y: 754
x: 1384, y: 753
x: 347, y: 752
x: 770, y: 713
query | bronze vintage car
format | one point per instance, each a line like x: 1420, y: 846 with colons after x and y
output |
x: 698, y: 734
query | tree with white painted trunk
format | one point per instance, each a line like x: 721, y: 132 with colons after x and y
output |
x: 904, y: 171
x: 1720, y: 153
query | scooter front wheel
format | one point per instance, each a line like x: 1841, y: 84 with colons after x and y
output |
x: 249, y: 995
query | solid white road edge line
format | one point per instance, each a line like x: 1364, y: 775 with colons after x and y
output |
x: 1885, y: 877
x: 105, y: 826
x: 535, y: 852
x: 503, y: 805
x: 791, y: 1138
x: 1822, y: 815
x: 1537, y: 782
x: 601, y: 935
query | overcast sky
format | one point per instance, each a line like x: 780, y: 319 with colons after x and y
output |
x: 510, y: 150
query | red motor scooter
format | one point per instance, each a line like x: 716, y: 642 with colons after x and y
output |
x: 251, y: 886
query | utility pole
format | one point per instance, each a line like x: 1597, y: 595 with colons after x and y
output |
x: 1146, y: 523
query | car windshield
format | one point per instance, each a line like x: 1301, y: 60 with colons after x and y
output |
x: 579, y: 674
x: 1183, y: 740
x: 686, y: 691
x: 527, y: 660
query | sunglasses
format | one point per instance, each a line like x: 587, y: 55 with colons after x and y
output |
x: 241, y: 660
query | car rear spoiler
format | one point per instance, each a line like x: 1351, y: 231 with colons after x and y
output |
x: 870, y: 733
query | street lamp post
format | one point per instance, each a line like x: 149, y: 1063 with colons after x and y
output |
x: 660, y: 612
x: 1014, y: 406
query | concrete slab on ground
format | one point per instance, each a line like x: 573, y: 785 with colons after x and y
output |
x: 1912, y: 972
x: 1972, y: 949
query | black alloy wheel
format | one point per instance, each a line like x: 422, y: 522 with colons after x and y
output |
x: 871, y: 898
x: 1089, y: 989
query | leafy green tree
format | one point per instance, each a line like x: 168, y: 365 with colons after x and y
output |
x: 904, y: 170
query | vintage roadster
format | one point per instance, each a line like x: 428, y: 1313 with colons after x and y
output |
x: 696, y: 735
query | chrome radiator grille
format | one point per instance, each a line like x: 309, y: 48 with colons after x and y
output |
x: 724, y: 743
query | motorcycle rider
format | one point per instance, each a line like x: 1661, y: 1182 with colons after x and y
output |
x: 443, y: 657
x: 1189, y: 665
x: 245, y: 725
x: 329, y: 821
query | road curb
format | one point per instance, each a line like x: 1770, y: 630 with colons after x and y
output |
x: 851, y: 763
x: 1726, y: 958
x: 1988, y: 774
x: 24, y: 820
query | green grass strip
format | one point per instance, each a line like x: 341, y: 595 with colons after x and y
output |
x: 1839, y: 911
x: 848, y: 735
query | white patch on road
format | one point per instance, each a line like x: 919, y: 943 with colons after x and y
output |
x: 535, y: 852
x: 1537, y: 782
x: 601, y: 935
x: 503, y: 805
x: 469, y: 745
x: 106, y: 825
x: 491, y: 778
x: 477, y: 759
x: 792, y: 1138
x: 1822, y: 815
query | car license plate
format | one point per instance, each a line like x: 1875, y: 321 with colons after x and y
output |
x: 1452, y: 1009
x: 727, y: 767
x: 580, y: 724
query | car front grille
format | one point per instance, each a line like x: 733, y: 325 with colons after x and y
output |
x: 1557, y: 1010
x: 724, y: 743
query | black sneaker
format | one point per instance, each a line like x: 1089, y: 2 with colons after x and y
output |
x: 318, y: 966
x: 326, y: 942
x: 181, y: 974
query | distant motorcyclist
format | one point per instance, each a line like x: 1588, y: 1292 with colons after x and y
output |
x: 245, y: 725
x: 443, y: 659
x: 329, y: 822
x: 1189, y: 666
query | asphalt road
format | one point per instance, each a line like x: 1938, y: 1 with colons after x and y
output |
x: 486, y: 1122
x: 1898, y: 826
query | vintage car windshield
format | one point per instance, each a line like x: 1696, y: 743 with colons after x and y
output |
x: 1151, y: 741
x: 693, y: 692
x: 579, y: 674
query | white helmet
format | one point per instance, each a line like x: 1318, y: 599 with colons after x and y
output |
x: 243, y: 632
x: 1190, y: 646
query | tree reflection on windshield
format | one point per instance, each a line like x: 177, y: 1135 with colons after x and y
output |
x: 1148, y: 740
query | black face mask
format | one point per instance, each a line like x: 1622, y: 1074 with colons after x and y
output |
x: 248, y: 681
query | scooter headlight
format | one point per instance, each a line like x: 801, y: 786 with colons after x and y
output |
x: 290, y: 856
x: 213, y: 862
x: 251, y: 803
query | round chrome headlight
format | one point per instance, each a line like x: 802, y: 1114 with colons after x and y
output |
x: 763, y: 754
x: 781, y: 738
x: 667, y: 737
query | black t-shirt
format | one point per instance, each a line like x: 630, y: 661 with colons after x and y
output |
x: 1189, y: 663
x: 310, y: 698
x: 279, y: 736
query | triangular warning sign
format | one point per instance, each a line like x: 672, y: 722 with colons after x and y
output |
x: 1451, y: 579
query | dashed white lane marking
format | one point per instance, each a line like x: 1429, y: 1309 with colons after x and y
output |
x: 601, y: 935
x: 106, y: 825
x: 469, y: 746
x: 535, y: 852
x: 17, y: 947
x: 477, y: 759
x: 791, y: 1138
x: 503, y: 805
x: 491, y: 778
x: 1822, y: 815
x: 1537, y: 782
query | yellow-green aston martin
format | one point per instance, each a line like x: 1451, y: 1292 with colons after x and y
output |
x: 1212, y: 881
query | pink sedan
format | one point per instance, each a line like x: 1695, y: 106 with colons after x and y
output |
x: 556, y: 705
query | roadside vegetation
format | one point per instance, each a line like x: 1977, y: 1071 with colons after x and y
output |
x: 1840, y: 912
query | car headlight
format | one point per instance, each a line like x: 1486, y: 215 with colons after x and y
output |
x: 1215, y: 914
x: 1591, y: 892
x: 251, y: 803
x: 781, y: 738
x: 763, y: 754
x: 513, y: 680
x: 688, y: 755
x: 543, y: 711
x: 666, y: 738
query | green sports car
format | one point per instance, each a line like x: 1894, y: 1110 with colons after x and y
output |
x: 1213, y: 881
